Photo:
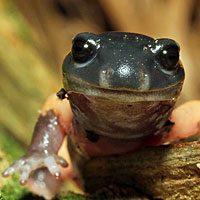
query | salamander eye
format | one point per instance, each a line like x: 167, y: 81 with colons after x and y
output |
x: 169, y: 58
x: 83, y: 51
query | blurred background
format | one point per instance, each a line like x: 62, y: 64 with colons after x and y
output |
x: 36, y: 35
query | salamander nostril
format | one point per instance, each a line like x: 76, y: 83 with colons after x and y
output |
x: 93, y: 137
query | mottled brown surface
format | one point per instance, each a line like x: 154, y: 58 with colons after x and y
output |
x: 120, y: 119
x: 165, y: 172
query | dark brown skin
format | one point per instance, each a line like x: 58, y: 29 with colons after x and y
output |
x: 122, y: 88
x: 153, y: 123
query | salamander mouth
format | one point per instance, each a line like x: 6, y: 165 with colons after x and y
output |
x: 77, y: 85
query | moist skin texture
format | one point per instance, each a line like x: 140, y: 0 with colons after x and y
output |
x: 122, y: 88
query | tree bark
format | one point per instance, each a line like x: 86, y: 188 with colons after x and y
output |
x: 164, y: 172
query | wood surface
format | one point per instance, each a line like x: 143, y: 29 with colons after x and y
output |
x: 164, y: 172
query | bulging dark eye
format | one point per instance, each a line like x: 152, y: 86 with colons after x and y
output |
x: 169, y: 58
x: 82, y: 51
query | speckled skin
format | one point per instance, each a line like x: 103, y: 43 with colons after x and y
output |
x: 123, y: 93
x: 122, y: 88
x: 122, y: 61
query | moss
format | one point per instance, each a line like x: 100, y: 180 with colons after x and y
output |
x: 74, y: 196
x: 13, y: 191
x: 70, y: 196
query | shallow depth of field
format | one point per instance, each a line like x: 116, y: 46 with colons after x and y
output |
x: 36, y: 35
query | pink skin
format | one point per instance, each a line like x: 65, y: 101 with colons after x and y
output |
x: 43, y: 152
x: 46, y: 182
x: 187, y: 121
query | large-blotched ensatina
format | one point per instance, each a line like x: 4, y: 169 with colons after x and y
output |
x: 122, y: 88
